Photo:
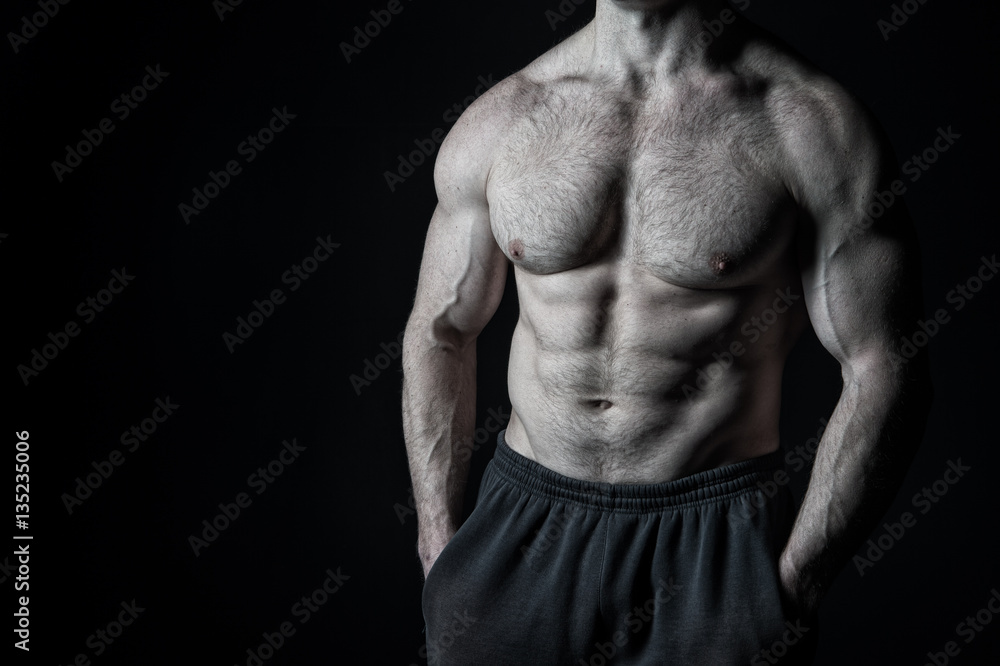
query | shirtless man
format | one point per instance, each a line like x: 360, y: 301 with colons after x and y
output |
x: 655, y: 191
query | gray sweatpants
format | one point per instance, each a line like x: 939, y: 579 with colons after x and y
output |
x: 553, y: 570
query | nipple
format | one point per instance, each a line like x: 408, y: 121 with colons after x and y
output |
x: 516, y: 249
x: 721, y: 263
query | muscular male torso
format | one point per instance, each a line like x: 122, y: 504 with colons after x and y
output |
x: 653, y: 240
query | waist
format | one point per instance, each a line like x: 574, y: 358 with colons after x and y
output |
x: 691, y: 490
x: 644, y: 439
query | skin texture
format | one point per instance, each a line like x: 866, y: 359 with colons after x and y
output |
x: 659, y: 201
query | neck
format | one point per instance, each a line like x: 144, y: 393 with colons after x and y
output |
x: 654, y: 38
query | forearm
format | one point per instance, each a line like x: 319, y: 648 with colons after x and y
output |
x: 860, y: 463
x: 439, y: 400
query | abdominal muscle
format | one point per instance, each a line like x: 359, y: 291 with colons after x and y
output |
x: 619, y: 376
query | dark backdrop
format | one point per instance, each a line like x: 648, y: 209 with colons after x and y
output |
x: 340, y: 506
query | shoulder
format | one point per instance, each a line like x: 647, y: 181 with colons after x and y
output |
x: 829, y: 141
x: 469, y: 149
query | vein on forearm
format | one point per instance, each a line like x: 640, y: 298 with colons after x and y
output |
x: 439, y: 397
x: 860, y: 462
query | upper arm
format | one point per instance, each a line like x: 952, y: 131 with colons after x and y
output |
x: 463, y: 271
x: 857, y: 253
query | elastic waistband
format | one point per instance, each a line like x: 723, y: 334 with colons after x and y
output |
x: 709, y: 486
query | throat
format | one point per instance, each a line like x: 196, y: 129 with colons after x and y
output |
x: 668, y: 36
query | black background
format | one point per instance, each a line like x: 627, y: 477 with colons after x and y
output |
x: 343, y: 502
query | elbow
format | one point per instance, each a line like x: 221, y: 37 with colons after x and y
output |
x: 904, y: 383
x: 424, y: 334
x: 447, y: 335
x: 893, y: 373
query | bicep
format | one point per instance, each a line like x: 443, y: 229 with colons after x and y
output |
x: 861, y: 284
x: 859, y: 261
x: 462, y: 273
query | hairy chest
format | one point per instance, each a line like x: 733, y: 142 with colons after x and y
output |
x: 685, y: 190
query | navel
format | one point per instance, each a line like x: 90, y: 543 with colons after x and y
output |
x: 516, y: 249
x: 600, y: 404
x: 721, y: 263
